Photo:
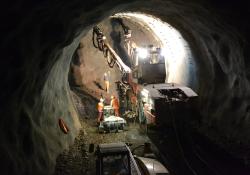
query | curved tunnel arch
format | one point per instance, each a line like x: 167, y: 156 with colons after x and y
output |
x: 42, y: 73
x: 180, y: 65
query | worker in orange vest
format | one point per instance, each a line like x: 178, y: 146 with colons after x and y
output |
x: 115, y: 104
x: 100, y: 107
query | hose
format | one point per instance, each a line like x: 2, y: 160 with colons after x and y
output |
x: 98, y: 37
x: 98, y: 42
x: 94, y: 39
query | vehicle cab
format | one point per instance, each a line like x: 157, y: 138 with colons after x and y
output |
x: 115, y: 159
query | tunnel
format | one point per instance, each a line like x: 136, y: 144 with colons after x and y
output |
x: 45, y: 86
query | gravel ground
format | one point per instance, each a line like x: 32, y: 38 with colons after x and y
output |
x: 77, y: 160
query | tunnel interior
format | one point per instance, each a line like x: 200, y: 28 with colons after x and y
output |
x: 53, y: 73
x: 86, y: 61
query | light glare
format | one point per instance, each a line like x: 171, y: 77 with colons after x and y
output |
x: 175, y: 49
x: 142, y: 53
x: 145, y: 92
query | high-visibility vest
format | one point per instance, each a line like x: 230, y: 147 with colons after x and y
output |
x: 115, y: 103
x: 100, y: 107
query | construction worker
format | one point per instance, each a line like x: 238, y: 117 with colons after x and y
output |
x: 115, y: 104
x: 100, y: 107
x: 106, y: 78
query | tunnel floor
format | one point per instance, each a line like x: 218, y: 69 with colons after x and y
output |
x: 77, y: 160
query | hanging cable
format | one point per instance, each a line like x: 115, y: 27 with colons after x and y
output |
x: 112, y: 58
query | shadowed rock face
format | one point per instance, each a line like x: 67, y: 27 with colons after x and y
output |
x: 39, y: 39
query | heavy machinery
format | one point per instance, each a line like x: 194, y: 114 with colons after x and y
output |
x: 157, y: 99
x: 170, y: 92
x: 111, y: 122
x: 144, y: 60
x: 148, y: 65
x: 117, y: 159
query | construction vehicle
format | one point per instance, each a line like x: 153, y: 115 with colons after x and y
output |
x: 117, y: 158
x: 162, y: 99
x: 111, y: 122
x: 144, y: 60
x: 170, y: 92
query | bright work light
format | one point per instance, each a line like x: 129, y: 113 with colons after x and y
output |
x: 164, y: 51
x: 142, y: 53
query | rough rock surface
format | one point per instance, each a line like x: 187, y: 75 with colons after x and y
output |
x: 38, y: 40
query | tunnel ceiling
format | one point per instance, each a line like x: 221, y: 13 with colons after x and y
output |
x: 39, y: 39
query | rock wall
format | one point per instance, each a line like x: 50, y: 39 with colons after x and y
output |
x: 38, y: 40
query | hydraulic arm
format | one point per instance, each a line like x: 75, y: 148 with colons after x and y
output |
x: 100, y: 42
